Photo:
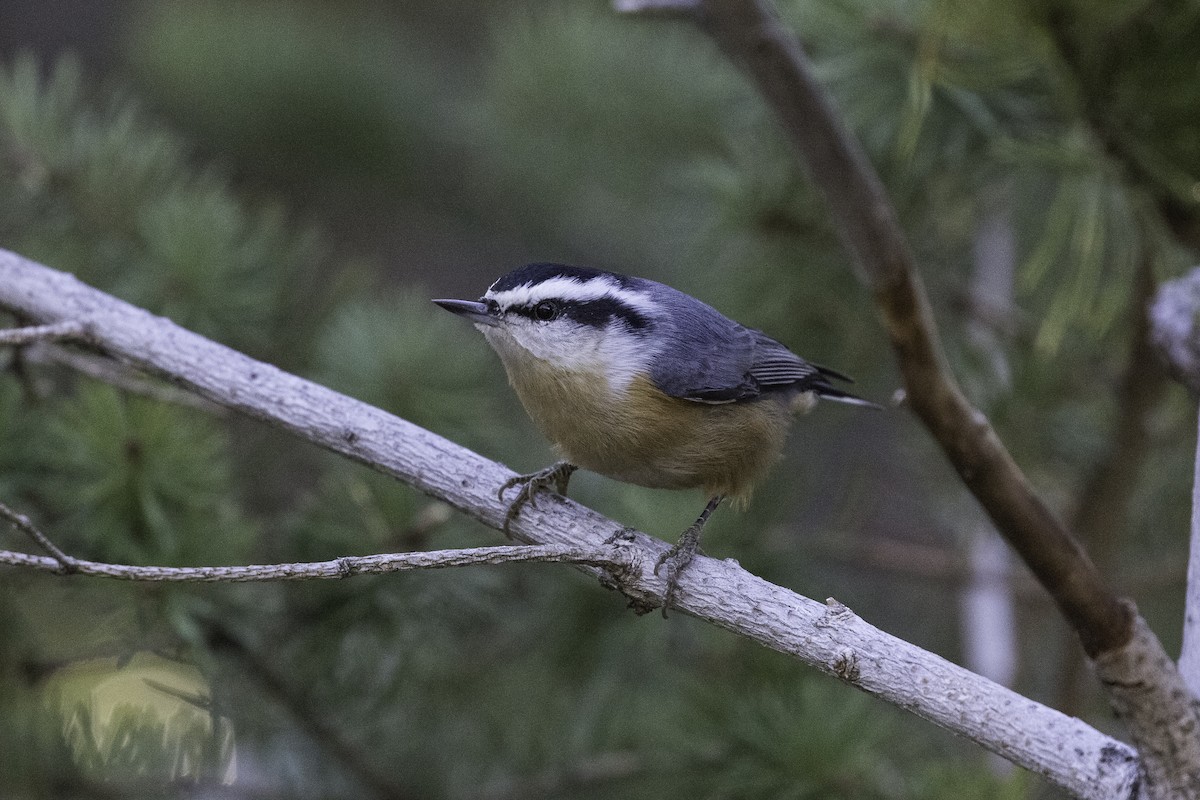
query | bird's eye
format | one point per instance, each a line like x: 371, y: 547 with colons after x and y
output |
x: 492, y: 306
x: 545, y: 311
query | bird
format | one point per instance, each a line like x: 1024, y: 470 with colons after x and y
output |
x: 642, y: 383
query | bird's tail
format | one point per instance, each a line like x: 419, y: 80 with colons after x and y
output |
x: 827, y: 391
x: 838, y: 396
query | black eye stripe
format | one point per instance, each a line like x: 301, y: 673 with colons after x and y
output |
x: 595, y: 313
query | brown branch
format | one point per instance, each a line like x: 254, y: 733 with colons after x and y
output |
x: 61, y: 563
x: 1121, y: 645
x: 755, y: 38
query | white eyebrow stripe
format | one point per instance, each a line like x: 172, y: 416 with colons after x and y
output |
x: 572, y: 290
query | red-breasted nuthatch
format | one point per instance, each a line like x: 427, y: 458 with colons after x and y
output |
x: 640, y: 382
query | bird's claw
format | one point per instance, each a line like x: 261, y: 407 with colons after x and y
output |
x: 676, y: 561
x: 556, y: 475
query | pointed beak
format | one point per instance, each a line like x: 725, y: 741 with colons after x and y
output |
x: 475, y: 312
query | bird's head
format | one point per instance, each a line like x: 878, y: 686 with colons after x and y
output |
x: 567, y: 318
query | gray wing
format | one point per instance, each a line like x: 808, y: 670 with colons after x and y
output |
x: 708, y: 358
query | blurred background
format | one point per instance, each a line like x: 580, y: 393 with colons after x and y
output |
x: 297, y: 179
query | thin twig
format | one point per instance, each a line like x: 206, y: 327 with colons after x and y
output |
x: 124, y: 377
x: 61, y: 563
x: 609, y: 557
x: 54, y: 332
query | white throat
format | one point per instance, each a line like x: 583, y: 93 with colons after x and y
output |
x: 609, y: 353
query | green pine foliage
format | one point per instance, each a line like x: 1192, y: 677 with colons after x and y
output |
x: 317, y: 67
x: 96, y: 189
x: 93, y: 186
x: 391, y: 352
x: 132, y: 480
x: 139, y: 745
x: 623, y: 143
x: 14, y: 455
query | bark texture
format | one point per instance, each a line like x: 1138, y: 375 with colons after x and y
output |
x: 828, y: 636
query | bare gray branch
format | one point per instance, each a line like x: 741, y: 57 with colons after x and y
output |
x: 1174, y: 319
x: 830, y: 637
x: 61, y: 562
x: 68, y: 329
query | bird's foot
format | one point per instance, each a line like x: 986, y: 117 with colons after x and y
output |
x: 676, y: 561
x: 557, y: 475
x: 678, y: 557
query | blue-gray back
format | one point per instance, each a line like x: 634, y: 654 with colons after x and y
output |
x: 707, y: 357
